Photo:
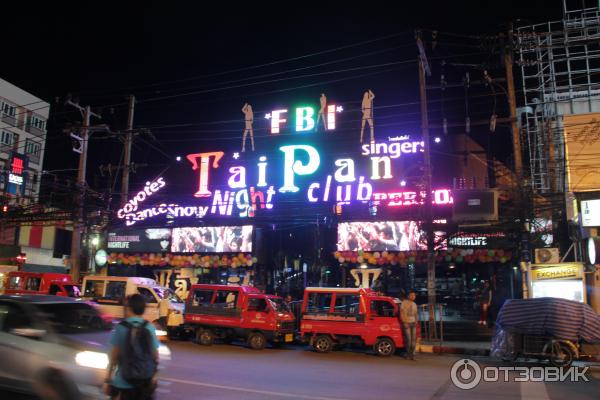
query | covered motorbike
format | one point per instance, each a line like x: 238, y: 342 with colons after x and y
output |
x: 546, y: 328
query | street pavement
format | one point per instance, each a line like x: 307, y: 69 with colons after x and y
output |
x: 236, y: 372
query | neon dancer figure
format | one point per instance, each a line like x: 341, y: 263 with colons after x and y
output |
x: 367, y: 110
x: 321, y: 115
x: 248, y: 118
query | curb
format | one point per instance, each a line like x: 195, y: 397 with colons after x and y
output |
x: 429, y: 348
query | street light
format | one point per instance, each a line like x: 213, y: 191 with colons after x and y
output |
x: 95, y: 241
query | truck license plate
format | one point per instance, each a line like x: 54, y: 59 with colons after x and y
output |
x: 289, y: 337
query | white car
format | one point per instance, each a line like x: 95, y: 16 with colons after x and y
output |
x: 54, y: 347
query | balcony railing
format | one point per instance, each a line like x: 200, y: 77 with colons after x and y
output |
x: 11, y: 121
x: 35, y: 130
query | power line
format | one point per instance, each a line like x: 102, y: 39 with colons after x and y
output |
x: 271, y: 63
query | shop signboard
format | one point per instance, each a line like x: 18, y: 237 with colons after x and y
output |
x: 479, y: 240
x: 590, y: 212
x: 16, y: 179
x: 541, y: 272
x: 562, y: 280
x: 139, y: 240
x: 301, y: 174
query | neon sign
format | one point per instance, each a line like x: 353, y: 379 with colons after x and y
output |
x: 132, y: 205
x: 248, y: 189
x: 17, y: 165
x: 306, y: 118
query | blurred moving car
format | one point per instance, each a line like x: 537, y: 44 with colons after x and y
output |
x: 54, y: 347
x: 109, y: 293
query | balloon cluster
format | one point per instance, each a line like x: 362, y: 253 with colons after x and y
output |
x: 196, y: 260
x: 410, y: 257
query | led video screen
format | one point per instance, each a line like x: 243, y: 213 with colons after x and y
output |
x: 212, y: 239
x: 381, y: 236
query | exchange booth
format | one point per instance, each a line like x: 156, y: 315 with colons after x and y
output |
x: 563, y: 280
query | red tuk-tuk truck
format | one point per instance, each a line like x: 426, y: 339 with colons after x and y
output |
x: 20, y: 282
x: 230, y: 312
x: 339, y: 316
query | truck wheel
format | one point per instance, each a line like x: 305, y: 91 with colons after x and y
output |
x: 384, y: 347
x: 257, y: 341
x: 560, y: 355
x: 205, y: 337
x: 323, y: 344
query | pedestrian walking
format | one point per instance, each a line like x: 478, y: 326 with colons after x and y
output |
x: 409, y: 317
x: 485, y: 299
x: 131, y: 372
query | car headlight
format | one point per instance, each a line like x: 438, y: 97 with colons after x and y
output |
x: 161, y: 332
x: 92, y: 359
x: 164, y: 353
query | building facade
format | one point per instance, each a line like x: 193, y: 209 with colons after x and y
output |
x: 22, y: 142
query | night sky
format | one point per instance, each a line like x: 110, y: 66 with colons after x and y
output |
x: 160, y: 51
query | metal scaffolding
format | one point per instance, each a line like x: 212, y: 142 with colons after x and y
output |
x: 560, y: 70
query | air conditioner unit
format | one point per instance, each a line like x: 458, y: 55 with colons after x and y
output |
x: 547, y: 256
x: 475, y: 206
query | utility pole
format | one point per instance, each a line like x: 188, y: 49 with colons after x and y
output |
x: 521, y: 189
x: 431, y: 295
x: 78, y: 224
x: 512, y: 104
x: 127, y: 153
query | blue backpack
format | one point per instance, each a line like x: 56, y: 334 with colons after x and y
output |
x: 137, y: 362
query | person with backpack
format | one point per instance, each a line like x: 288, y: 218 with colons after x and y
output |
x: 131, y: 373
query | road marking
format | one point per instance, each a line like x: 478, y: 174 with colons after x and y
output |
x: 534, y: 391
x: 439, y: 393
x: 247, y: 390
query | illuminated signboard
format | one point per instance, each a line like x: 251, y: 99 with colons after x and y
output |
x: 212, y: 239
x: 293, y: 176
x: 139, y: 240
x: 479, y: 239
x: 301, y: 170
x: 304, y: 119
x: 16, y: 176
x: 129, y: 210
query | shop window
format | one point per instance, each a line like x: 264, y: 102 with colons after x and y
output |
x: 226, y: 298
x: 94, y: 289
x: 382, y: 308
x: 14, y: 282
x: 346, y: 303
x: 319, y: 302
x: 33, y: 284
x: 202, y: 298
x: 148, y: 295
